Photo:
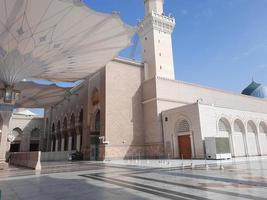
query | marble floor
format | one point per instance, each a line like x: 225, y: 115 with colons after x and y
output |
x: 111, y: 181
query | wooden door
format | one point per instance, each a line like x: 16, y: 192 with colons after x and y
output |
x: 185, y: 146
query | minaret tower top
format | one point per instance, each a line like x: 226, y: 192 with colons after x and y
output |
x: 155, y: 33
x: 154, y: 5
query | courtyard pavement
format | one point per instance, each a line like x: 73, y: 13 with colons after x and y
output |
x: 123, y: 180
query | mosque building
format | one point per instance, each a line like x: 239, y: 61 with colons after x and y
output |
x: 128, y: 109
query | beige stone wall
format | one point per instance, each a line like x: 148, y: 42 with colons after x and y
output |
x: 95, y: 82
x: 152, y: 120
x: 162, y: 94
x: 186, y: 93
x: 80, y: 99
x: 124, y: 113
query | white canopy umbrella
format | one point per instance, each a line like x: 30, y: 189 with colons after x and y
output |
x: 34, y: 95
x: 57, y: 40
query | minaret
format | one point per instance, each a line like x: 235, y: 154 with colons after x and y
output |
x: 155, y: 33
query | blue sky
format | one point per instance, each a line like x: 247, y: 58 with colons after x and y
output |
x: 217, y: 43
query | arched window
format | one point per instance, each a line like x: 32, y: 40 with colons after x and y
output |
x: 239, y: 126
x: 65, y: 124
x: 72, y: 121
x: 35, y: 137
x: 183, y: 126
x: 251, y: 127
x: 53, y: 128
x: 224, y: 125
x: 97, y: 121
x: 95, y: 97
x: 17, y: 133
x: 81, y: 116
x: 16, y: 137
x: 35, y: 133
x: 263, y: 127
x: 58, y: 126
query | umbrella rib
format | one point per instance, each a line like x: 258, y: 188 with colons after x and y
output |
x: 60, y: 21
x: 38, y: 24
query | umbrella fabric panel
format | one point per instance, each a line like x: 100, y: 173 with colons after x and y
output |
x: 58, y: 40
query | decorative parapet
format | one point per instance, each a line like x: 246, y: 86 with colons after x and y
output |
x: 156, y: 21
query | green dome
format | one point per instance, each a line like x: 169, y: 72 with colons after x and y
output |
x: 250, y: 88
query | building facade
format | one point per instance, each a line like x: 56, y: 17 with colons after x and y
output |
x: 25, y: 131
x: 129, y: 109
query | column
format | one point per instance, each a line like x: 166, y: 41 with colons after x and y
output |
x: 62, y: 143
x: 3, y: 138
x: 59, y: 143
x: 192, y: 144
x: 245, y: 143
x: 231, y: 143
x: 56, y: 145
x: 78, y: 138
x: 48, y: 143
x: 78, y: 143
x: 258, y: 141
x: 69, y: 144
x: 52, y: 144
x: 3, y: 142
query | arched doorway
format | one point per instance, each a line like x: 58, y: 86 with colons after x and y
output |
x: 238, y: 138
x: 17, y: 136
x: 263, y: 138
x: 251, y: 138
x: 35, y: 138
x: 184, y: 139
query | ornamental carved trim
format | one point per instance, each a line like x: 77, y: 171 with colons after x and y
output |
x: 157, y: 22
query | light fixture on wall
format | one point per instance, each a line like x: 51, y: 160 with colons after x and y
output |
x: 102, y: 140
x: 8, y: 94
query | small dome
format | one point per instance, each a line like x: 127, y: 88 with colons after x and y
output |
x: 261, y: 92
x: 256, y: 90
